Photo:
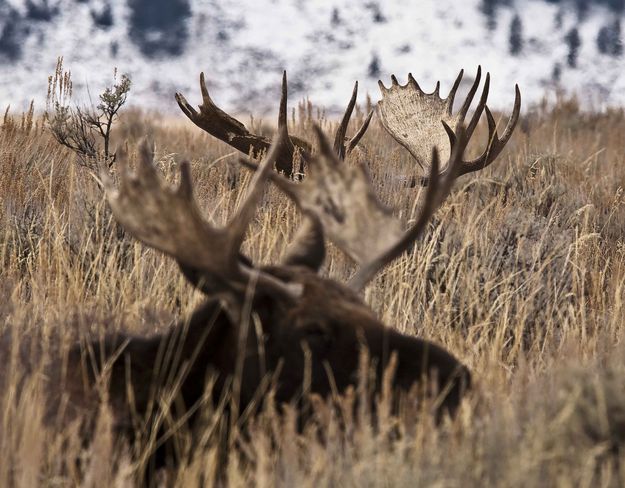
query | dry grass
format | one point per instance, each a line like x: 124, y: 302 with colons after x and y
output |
x: 521, y: 276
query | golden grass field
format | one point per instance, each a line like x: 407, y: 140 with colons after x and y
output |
x: 521, y: 276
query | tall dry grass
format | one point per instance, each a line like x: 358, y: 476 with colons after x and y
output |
x: 521, y: 275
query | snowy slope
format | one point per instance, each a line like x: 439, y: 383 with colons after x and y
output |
x: 325, y: 45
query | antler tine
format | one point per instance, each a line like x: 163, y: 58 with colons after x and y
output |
x: 514, y: 117
x: 185, y: 106
x: 452, y: 93
x: 467, y: 102
x: 145, y: 166
x: 341, y: 131
x: 382, y: 87
x: 342, y: 147
x: 412, y: 82
x: 495, y: 143
x: 206, y: 99
x: 286, y: 148
x: 479, y: 109
x: 324, y: 147
x: 438, y: 189
x: 353, y: 142
x: 282, y: 113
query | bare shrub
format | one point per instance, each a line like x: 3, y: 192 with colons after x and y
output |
x: 84, y: 130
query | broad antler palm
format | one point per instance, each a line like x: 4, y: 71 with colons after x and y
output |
x: 339, y: 198
x: 419, y: 121
x: 226, y: 128
x: 169, y: 220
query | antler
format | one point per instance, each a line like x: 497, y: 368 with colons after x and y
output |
x: 343, y: 146
x: 169, y: 220
x: 226, y: 128
x: 351, y: 215
x: 420, y: 121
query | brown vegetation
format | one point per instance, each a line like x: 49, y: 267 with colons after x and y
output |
x: 520, y: 275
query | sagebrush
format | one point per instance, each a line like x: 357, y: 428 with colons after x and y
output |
x: 521, y: 276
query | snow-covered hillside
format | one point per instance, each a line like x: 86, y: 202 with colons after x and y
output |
x: 325, y: 45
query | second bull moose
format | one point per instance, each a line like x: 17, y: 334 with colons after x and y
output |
x: 283, y: 327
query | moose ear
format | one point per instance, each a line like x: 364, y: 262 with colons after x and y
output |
x: 307, y: 248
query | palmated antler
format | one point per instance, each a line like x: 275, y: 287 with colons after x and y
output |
x: 226, y: 128
x: 342, y: 199
x: 168, y: 219
x: 420, y: 121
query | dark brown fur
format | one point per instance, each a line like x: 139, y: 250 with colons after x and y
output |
x: 330, y: 321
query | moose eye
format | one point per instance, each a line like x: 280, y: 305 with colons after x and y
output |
x: 316, y: 335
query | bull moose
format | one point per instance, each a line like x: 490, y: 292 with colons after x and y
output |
x: 285, y: 322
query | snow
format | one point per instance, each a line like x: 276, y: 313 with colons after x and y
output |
x: 433, y: 39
